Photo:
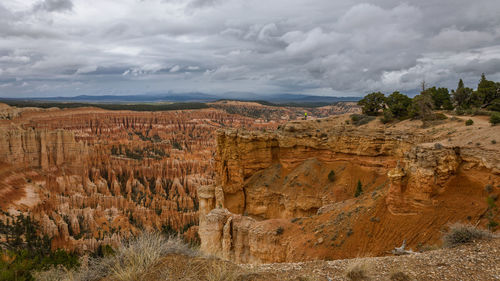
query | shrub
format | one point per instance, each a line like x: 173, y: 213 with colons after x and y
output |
x: 459, y: 234
x: 176, y: 145
x: 469, y: 122
x: 440, y: 116
x: 493, y: 142
x: 331, y: 176
x: 495, y: 118
x: 357, y: 271
x: 399, y: 276
x: 361, y: 119
x: 222, y: 272
x: 359, y: 189
x: 460, y: 111
x: 387, y: 117
x: 492, y: 212
x: 135, y: 257
x: 280, y: 230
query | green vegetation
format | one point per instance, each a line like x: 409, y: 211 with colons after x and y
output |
x: 462, y: 96
x: 133, y: 107
x: 25, y: 251
x: 331, y: 176
x: 487, y: 94
x: 280, y: 230
x: 398, y: 105
x: 138, y: 153
x: 441, y: 98
x: 495, y: 118
x: 421, y: 107
x: 372, y: 103
x: 359, y: 189
x: 469, y: 122
x: 176, y: 145
x: 361, y: 119
x: 492, y: 211
x: 484, y: 101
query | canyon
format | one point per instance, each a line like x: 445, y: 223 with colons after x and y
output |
x: 248, y: 187
x: 91, y: 177
x: 289, y: 195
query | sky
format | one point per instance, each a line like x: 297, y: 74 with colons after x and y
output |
x: 318, y: 47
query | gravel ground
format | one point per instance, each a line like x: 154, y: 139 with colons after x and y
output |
x: 477, y: 261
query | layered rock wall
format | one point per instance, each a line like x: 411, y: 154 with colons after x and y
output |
x: 267, y: 181
x: 40, y: 148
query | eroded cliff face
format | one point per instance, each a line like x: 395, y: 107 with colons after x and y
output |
x: 91, y: 177
x: 273, y: 200
x: 40, y: 148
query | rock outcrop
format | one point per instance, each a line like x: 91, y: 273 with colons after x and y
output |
x: 40, y: 148
x: 307, y: 172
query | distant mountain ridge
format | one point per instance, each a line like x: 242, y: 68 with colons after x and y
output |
x: 193, y: 97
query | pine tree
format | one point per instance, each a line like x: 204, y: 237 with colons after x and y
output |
x: 462, y: 96
x: 359, y: 189
x: 486, y: 92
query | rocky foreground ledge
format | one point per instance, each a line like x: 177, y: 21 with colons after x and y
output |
x: 478, y: 261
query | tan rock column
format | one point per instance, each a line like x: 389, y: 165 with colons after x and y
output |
x: 206, y: 197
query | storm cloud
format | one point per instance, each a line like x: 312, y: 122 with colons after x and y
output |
x: 324, y: 47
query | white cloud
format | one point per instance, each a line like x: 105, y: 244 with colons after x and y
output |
x: 86, y: 69
x: 14, y: 59
x: 175, y: 68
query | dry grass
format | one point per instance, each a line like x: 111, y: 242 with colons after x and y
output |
x: 131, y: 261
x: 358, y: 271
x: 459, y: 234
x: 136, y: 257
x: 58, y: 273
x: 218, y: 271
x: 151, y: 257
x: 183, y: 268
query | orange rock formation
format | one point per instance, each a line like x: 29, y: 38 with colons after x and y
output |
x: 273, y: 200
x: 90, y: 176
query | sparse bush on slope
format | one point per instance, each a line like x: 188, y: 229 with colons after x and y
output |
x: 138, y: 255
x: 459, y: 234
x: 331, y: 176
x: 495, y: 118
x: 358, y: 271
x: 361, y: 119
x: 399, y: 276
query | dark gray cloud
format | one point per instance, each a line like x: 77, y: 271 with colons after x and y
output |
x: 54, y: 5
x: 63, y: 47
